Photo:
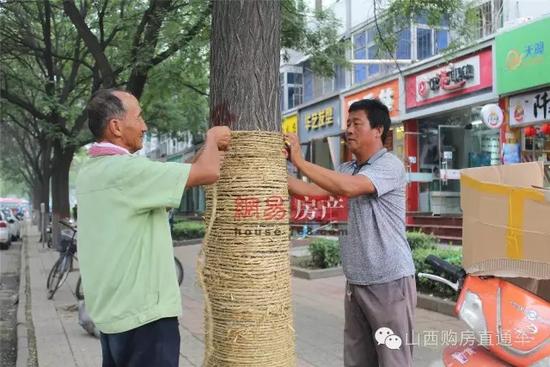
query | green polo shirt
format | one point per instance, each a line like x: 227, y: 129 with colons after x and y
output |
x: 125, y: 249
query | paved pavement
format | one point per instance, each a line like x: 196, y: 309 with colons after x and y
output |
x: 9, y: 285
x: 318, y: 315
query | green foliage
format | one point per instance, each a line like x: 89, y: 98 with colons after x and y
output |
x: 325, y: 253
x: 313, y: 33
x: 175, y: 99
x: 186, y: 230
x: 420, y: 240
x: 460, y: 15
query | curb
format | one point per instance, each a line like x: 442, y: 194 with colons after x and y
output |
x: 436, y: 304
x: 311, y: 274
x: 194, y: 241
x: 21, y: 329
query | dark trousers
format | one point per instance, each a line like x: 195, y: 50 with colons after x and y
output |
x: 154, y: 344
x: 379, y: 324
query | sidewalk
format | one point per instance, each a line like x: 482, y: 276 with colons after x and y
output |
x: 318, y: 318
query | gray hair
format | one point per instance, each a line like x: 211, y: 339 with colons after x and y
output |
x: 103, y: 106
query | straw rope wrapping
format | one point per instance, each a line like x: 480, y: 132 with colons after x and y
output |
x: 244, y: 266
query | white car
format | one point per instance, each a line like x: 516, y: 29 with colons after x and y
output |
x: 13, y: 223
x: 5, y: 235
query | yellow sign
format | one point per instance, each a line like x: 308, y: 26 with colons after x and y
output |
x: 320, y: 119
x: 290, y: 124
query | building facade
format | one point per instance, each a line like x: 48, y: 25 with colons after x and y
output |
x: 439, y: 103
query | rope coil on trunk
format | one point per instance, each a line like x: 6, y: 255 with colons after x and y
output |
x: 244, y: 266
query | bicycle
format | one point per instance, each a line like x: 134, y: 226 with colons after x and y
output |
x: 62, y: 267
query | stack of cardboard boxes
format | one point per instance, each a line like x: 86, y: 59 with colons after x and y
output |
x: 506, y: 216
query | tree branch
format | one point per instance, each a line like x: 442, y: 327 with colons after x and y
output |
x: 23, y: 104
x: 173, y: 48
x: 108, y: 78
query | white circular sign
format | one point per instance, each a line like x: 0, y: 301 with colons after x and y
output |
x: 492, y: 116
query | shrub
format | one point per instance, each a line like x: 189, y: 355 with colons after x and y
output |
x: 185, y: 230
x: 421, y: 240
x: 325, y: 253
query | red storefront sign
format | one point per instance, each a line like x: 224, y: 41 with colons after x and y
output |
x: 461, y: 76
x: 318, y: 209
x: 387, y: 93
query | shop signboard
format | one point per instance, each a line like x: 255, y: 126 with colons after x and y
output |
x: 290, y: 124
x: 319, y: 120
x: 530, y: 108
x: 523, y: 57
x: 387, y: 93
x: 460, y: 77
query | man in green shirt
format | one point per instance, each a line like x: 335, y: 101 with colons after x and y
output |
x: 124, y: 242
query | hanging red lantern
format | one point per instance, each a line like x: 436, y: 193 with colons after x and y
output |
x: 545, y: 129
x: 530, y: 131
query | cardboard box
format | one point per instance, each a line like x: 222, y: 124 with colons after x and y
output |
x: 506, y: 221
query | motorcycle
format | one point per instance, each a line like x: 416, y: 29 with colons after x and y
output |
x: 511, y: 325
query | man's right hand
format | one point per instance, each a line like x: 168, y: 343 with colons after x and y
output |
x: 221, y: 135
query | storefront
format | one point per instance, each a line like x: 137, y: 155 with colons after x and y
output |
x: 532, y: 112
x: 523, y: 81
x: 289, y: 124
x: 444, y: 129
x: 320, y: 133
x: 388, y: 93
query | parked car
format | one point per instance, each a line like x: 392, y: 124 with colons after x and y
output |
x: 13, y: 223
x: 5, y: 235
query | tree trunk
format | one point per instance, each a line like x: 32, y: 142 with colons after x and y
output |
x: 60, y: 180
x: 245, y: 268
x: 62, y: 158
x: 35, y: 195
x: 244, y: 64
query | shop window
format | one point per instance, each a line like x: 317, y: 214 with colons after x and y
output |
x: 441, y: 40
x: 321, y: 153
x: 403, y: 50
x: 359, y: 53
x: 291, y: 91
x: 308, y: 84
x: 489, y: 17
x: 536, y: 148
x: 294, y: 96
x: 423, y: 43
x: 373, y: 55
x: 294, y: 78
x: 340, y: 77
x: 430, y: 41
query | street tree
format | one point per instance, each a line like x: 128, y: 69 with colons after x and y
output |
x: 56, y: 56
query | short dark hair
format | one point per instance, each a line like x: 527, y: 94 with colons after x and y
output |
x: 103, y: 106
x: 377, y: 113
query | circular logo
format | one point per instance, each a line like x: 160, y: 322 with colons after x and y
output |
x: 513, y: 59
x: 518, y: 113
x: 492, y: 116
x: 422, y: 89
